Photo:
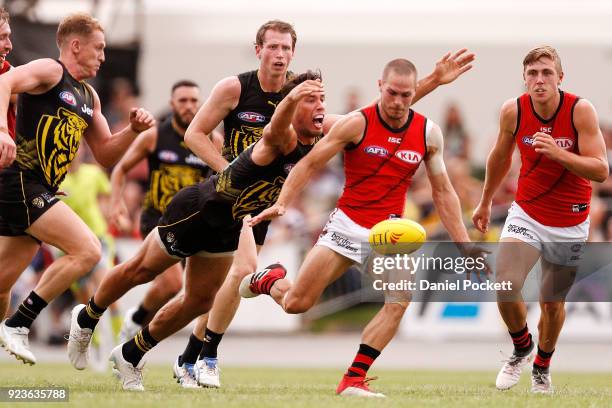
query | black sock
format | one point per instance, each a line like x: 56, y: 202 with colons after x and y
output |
x: 90, y: 315
x: 363, y: 360
x: 135, y: 349
x: 27, y: 311
x: 192, y: 351
x: 522, y: 342
x: 211, y: 342
x: 140, y: 315
x: 542, y: 360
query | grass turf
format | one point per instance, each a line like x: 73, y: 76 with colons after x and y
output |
x: 272, y: 387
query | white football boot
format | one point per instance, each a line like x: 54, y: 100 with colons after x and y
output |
x: 15, y: 341
x: 208, y: 373
x: 130, y: 376
x: 78, y: 341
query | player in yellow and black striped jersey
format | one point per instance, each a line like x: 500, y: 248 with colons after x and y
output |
x: 172, y: 166
x: 56, y: 110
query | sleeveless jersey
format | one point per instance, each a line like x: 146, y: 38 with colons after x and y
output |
x: 379, y: 169
x: 547, y: 191
x: 253, y: 188
x: 172, y: 166
x: 10, y: 114
x: 50, y: 127
x: 244, y: 125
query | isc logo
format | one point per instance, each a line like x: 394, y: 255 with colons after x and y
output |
x: 252, y: 117
x: 564, y: 143
x: 376, y: 151
x: 408, y: 156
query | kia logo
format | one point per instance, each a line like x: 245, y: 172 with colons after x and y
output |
x: 408, y: 156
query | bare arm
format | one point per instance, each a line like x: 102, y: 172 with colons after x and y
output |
x: 223, y: 98
x: 446, y: 70
x: 498, y: 164
x: 35, y: 77
x: 444, y: 196
x: 140, y: 149
x: 348, y: 130
x: 591, y: 162
x: 107, y: 148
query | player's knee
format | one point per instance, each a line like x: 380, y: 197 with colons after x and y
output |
x: 139, y: 274
x: 552, y: 309
x: 198, y: 305
x: 295, y: 305
x: 242, y: 268
x: 89, y: 254
x: 395, y: 310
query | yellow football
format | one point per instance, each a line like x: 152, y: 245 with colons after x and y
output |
x: 396, y: 236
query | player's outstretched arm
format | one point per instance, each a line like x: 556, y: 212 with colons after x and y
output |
x: 106, y: 147
x: 498, y: 164
x: 223, y: 98
x: 348, y: 130
x: 444, y: 196
x: 143, y: 146
x: 592, y: 162
x: 446, y: 70
x: 35, y: 77
x: 279, y: 131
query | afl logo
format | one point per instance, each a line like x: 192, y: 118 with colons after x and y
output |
x: 564, y: 143
x: 287, y: 167
x: 408, y: 156
x: 68, y: 98
x: 168, y: 156
x: 251, y: 117
x: 527, y: 140
x: 376, y: 151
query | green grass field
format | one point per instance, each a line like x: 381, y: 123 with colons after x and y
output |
x: 270, y: 387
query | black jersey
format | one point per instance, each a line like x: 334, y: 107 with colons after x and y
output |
x: 251, y: 188
x: 50, y: 127
x: 244, y: 125
x: 172, y: 166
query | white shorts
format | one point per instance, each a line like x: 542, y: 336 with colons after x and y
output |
x: 558, y: 245
x: 344, y: 236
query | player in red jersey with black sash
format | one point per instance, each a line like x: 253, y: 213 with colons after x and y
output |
x: 562, y: 150
x: 383, y: 145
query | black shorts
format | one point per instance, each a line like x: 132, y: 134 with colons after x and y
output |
x: 198, y: 220
x: 148, y: 220
x: 23, y: 199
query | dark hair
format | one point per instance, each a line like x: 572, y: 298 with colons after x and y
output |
x: 400, y: 66
x: 295, y: 80
x: 276, y: 25
x: 184, y: 82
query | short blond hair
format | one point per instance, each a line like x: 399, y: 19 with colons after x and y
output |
x: 4, y: 16
x: 81, y: 24
x: 545, y: 51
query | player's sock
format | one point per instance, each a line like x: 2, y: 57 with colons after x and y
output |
x: 27, y: 311
x: 90, y: 315
x: 135, y: 349
x: 140, y: 315
x: 522, y: 342
x: 211, y: 343
x: 192, y: 351
x: 363, y: 360
x: 542, y: 360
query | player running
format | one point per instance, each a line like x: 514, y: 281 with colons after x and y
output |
x: 562, y: 149
x: 172, y: 166
x: 383, y: 146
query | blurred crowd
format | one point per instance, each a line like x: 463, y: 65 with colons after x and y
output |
x: 304, y: 221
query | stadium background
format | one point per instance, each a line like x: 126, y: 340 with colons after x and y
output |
x: 153, y: 43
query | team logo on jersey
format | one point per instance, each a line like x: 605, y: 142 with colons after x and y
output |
x: 168, y: 156
x: 57, y: 141
x: 376, y: 151
x: 251, y: 117
x: 287, y: 167
x: 409, y: 156
x: 38, y: 202
x: 68, y: 97
x: 257, y: 196
x: 242, y: 138
x: 564, y: 143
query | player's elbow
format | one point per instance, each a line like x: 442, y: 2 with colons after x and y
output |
x: 602, y: 173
